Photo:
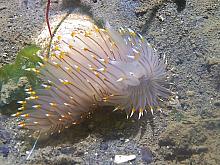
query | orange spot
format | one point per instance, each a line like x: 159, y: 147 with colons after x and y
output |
x: 59, y: 38
x: 17, y: 114
x: 26, y: 115
x: 87, y: 34
x: 56, y: 47
x: 73, y: 34
x: 86, y: 49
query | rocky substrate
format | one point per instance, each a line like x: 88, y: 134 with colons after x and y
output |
x: 188, y: 130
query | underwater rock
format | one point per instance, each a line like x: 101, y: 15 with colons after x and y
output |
x: 10, y: 91
x: 213, y: 61
x: 3, y: 8
x: 7, y: 92
x: 181, y: 141
x: 4, y: 136
x: 104, y: 146
x: 72, y: 21
x: 4, y: 150
x: 123, y: 158
x: 146, y: 154
x: 217, y: 103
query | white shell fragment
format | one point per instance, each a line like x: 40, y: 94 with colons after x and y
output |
x: 123, y: 158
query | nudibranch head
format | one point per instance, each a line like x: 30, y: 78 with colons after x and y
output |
x: 91, y: 66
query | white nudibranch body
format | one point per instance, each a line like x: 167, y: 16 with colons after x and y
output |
x: 89, y: 67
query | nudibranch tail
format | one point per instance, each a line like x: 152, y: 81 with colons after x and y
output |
x: 86, y: 68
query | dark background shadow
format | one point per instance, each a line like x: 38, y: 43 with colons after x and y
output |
x: 103, y: 124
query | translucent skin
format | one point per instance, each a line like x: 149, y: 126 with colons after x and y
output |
x: 91, y: 67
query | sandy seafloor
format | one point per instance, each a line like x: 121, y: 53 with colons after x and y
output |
x: 188, y: 132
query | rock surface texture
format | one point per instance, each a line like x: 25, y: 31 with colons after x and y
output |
x: 187, y: 132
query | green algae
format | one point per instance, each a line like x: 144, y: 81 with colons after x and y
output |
x: 26, y: 58
x: 14, y: 78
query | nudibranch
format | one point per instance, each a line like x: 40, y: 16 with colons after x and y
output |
x: 89, y: 67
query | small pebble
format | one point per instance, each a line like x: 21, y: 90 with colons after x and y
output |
x: 200, y: 149
x: 104, y: 146
x: 161, y: 18
x: 190, y: 93
x: 3, y: 8
x: 217, y: 103
x: 123, y: 158
x: 146, y: 154
x: 4, y: 150
x: 213, y: 61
